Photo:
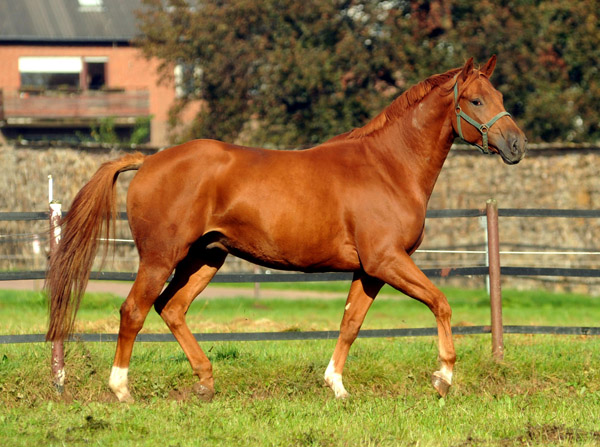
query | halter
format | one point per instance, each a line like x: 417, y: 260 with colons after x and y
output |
x: 482, y: 128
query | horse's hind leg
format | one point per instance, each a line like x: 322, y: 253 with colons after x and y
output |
x: 146, y: 288
x: 363, y: 291
x: 192, y: 275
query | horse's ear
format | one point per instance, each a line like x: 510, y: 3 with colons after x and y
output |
x: 467, y: 69
x: 488, y: 68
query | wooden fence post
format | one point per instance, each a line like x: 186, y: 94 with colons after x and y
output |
x: 495, y: 288
x: 58, y: 350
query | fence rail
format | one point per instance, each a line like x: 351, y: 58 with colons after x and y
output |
x: 311, y: 335
x: 431, y: 214
x: 339, y: 276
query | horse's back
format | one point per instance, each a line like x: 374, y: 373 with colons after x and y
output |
x: 287, y: 209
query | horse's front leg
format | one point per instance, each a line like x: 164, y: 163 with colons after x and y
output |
x: 363, y: 291
x: 405, y: 276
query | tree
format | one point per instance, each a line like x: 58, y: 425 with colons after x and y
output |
x: 283, y: 73
x: 548, y: 56
x: 274, y: 72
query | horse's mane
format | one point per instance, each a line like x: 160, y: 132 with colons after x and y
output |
x: 406, y: 100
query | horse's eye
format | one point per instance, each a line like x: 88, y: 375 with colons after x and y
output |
x: 476, y: 102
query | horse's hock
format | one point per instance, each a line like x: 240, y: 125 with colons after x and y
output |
x: 549, y: 177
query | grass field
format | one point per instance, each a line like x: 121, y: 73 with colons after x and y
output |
x: 545, y: 392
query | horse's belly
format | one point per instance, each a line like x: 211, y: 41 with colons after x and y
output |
x: 301, y: 252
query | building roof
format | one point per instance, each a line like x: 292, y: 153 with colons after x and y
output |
x: 68, y: 21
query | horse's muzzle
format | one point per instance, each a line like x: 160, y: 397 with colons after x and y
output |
x: 513, y: 148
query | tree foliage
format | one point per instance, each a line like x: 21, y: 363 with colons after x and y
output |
x: 284, y: 73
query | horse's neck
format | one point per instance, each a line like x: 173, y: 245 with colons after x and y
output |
x: 419, y: 142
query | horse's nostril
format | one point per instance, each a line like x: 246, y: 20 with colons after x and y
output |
x: 515, y: 147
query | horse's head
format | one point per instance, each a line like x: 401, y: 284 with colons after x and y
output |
x: 480, y: 118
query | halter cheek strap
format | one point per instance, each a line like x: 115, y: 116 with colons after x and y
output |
x: 482, y: 128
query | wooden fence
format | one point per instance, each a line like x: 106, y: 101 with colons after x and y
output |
x: 493, y: 269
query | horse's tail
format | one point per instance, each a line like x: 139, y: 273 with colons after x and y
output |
x: 92, y: 213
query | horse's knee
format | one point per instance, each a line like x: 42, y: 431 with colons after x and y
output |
x: 442, y: 309
x: 349, y: 330
x: 439, y: 306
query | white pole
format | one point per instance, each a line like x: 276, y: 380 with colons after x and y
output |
x: 58, y: 349
x: 50, y: 189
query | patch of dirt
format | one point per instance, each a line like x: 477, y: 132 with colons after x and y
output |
x: 197, y: 392
x: 122, y: 289
x: 107, y: 397
x: 238, y: 324
x: 180, y: 395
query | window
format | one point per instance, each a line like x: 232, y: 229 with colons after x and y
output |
x: 95, y: 75
x: 95, y: 72
x: 187, y: 80
x: 50, y: 72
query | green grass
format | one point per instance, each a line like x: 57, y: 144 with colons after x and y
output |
x: 25, y: 312
x: 545, y: 392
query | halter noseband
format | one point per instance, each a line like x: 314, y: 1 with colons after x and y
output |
x: 482, y: 128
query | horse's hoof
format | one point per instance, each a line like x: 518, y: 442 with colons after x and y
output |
x: 127, y: 399
x: 440, y: 384
x: 342, y: 395
x: 203, y: 392
x: 122, y: 395
x: 338, y: 388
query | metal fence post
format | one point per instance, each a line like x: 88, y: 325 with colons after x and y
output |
x: 58, y: 349
x: 495, y: 288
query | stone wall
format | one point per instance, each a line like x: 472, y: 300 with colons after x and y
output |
x: 555, y: 178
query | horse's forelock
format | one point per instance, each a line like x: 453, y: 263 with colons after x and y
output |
x: 463, y: 86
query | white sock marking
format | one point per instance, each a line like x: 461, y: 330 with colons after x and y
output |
x: 118, y: 383
x: 334, y: 380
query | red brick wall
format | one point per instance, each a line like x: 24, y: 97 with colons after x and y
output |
x: 126, y: 68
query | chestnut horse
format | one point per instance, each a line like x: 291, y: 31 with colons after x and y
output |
x: 356, y: 203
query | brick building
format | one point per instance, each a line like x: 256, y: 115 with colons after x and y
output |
x: 66, y: 65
